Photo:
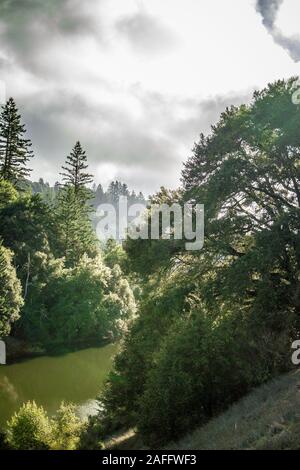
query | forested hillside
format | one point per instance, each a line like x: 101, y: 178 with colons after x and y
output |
x: 215, y: 323
x: 57, y: 288
x: 98, y: 194
x: 198, y: 329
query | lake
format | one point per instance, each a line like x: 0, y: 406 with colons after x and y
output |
x: 75, y: 377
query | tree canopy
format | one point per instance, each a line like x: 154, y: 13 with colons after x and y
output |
x: 236, y: 310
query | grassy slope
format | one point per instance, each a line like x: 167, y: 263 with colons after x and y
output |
x: 268, y: 418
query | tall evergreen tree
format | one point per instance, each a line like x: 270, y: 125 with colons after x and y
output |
x: 75, y: 166
x: 73, y: 209
x: 14, y: 148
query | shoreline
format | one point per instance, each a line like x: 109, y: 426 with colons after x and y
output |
x: 19, y: 350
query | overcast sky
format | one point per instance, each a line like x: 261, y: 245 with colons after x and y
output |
x: 137, y: 81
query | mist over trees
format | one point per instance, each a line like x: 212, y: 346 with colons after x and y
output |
x: 56, y: 288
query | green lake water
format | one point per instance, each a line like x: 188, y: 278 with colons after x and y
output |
x: 75, y: 377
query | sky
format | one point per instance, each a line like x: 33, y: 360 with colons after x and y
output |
x: 137, y: 81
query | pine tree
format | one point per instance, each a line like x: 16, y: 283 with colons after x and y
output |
x: 115, y: 190
x: 75, y: 175
x: 14, y: 149
x: 73, y: 209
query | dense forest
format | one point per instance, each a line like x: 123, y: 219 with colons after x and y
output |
x: 198, y: 329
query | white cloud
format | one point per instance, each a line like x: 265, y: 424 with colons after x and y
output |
x: 135, y: 81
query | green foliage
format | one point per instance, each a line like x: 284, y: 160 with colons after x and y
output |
x: 75, y: 175
x: 146, y: 257
x: 10, y: 292
x: 68, y: 297
x: 89, y: 301
x: 14, y: 149
x: 91, y: 435
x: 164, y: 302
x: 8, y: 194
x: 201, y: 367
x: 75, y: 233
x: 27, y: 228
x: 185, y: 359
x: 114, y: 254
x: 29, y: 428
x: 247, y: 174
x: 66, y: 428
x: 48, y: 193
x: 211, y: 324
x: 72, y: 210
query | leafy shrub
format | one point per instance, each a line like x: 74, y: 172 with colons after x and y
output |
x: 66, y: 428
x: 29, y: 428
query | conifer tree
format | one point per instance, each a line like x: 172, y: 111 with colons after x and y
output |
x: 73, y: 209
x: 15, y: 150
x: 75, y: 175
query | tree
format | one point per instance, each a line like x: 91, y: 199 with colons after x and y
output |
x: 247, y: 175
x: 91, y: 435
x: 75, y: 232
x: 85, y: 303
x: 115, y: 190
x: 10, y: 292
x: 114, y: 254
x: 163, y: 302
x: 99, y: 196
x: 15, y: 150
x: 29, y: 428
x: 75, y: 175
x: 186, y: 356
x: 27, y: 228
x: 47, y: 192
x: 76, y: 235
x: 8, y: 194
x: 146, y: 256
x: 200, y: 369
x: 66, y: 428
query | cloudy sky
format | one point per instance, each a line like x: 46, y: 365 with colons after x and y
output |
x: 137, y: 81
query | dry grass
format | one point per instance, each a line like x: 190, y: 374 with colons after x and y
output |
x: 267, y: 418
